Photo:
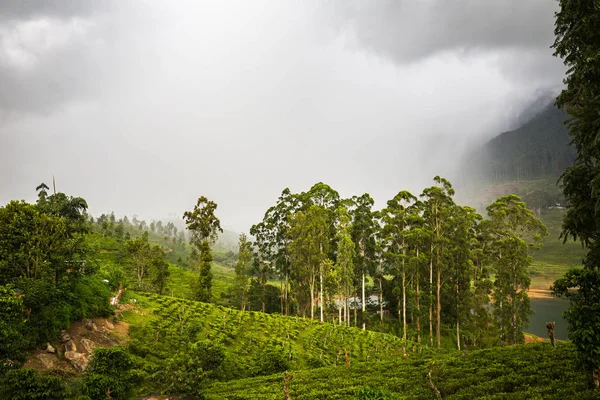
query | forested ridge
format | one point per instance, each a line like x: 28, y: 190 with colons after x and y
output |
x: 538, y: 149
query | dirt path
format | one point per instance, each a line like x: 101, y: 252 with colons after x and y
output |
x: 540, y: 294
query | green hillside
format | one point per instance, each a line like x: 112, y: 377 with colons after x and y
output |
x: 255, y: 343
x: 108, y: 248
x: 534, y: 371
x: 555, y: 257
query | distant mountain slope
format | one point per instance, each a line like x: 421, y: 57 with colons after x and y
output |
x: 538, y: 149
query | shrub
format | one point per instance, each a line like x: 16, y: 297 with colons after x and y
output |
x: 110, y: 374
x: 190, y: 370
x: 26, y: 384
x: 370, y: 393
x: 272, y: 360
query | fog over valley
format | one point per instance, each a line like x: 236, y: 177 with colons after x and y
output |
x: 141, y: 107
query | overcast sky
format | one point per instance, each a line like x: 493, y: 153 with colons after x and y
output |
x: 143, y: 106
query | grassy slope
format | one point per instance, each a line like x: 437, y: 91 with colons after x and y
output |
x: 555, y: 257
x: 534, y: 371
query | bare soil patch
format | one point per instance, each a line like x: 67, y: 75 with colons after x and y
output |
x: 540, y: 294
x: 84, y: 336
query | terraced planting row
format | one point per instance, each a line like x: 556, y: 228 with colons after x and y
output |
x: 534, y: 371
x: 174, y: 323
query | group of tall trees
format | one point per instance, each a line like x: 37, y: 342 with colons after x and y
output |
x: 429, y: 258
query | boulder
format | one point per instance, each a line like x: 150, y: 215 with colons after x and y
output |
x: 78, y: 360
x: 70, y: 346
x: 88, y: 345
x: 47, y: 360
x: 64, y: 336
x: 110, y: 325
x: 50, y: 349
x: 88, y: 323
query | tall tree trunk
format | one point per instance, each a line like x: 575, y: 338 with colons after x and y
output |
x: 282, y: 295
x: 348, y: 308
x: 431, y: 299
x: 381, y: 298
x: 475, y: 313
x: 340, y: 305
x: 438, y: 308
x: 287, y: 293
x: 364, y: 326
x: 458, y: 333
x: 418, y: 300
x: 312, y: 299
x: 264, y: 297
x: 321, y: 292
x: 403, y: 291
x: 355, y: 308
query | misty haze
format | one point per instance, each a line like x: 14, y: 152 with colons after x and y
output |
x: 298, y: 199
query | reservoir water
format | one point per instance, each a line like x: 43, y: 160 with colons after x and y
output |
x: 546, y: 310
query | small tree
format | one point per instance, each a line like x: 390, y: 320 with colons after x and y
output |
x: 202, y: 223
x: 110, y: 374
x: 242, y: 267
x: 204, y: 227
x: 140, y: 256
x: 160, y: 269
x: 190, y: 370
x: 204, y: 283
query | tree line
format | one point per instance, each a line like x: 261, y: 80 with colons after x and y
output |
x: 427, y: 258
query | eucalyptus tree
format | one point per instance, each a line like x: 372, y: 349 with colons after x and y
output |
x: 204, y: 228
x: 437, y: 206
x: 514, y: 231
x: 262, y: 271
x: 271, y: 240
x: 202, y: 223
x: 419, y: 239
x: 344, y: 265
x: 242, y: 268
x: 464, y: 244
x: 379, y: 259
x: 482, y: 286
x: 397, y: 219
x: 364, y: 229
x: 159, y: 269
x: 203, y: 286
x: 139, y: 254
x: 322, y: 195
x: 308, y: 248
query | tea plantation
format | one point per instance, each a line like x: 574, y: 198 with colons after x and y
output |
x: 531, y: 371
